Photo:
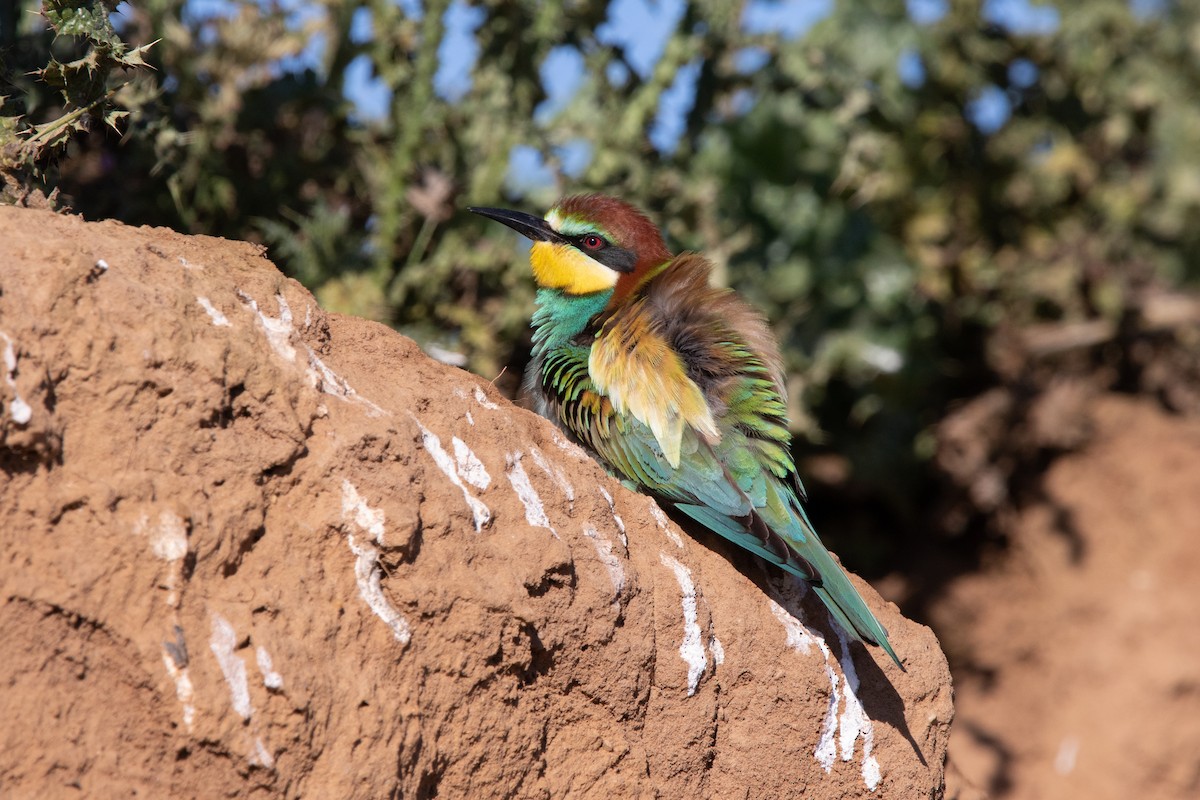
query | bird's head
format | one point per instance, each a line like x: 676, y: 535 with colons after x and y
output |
x: 588, y: 243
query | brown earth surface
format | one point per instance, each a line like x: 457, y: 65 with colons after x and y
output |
x: 251, y: 548
x: 1077, y: 653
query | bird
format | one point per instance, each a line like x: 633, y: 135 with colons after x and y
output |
x: 674, y: 385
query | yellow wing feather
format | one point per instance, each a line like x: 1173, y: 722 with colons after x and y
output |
x: 643, y: 377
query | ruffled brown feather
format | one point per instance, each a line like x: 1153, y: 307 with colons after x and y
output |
x: 696, y: 317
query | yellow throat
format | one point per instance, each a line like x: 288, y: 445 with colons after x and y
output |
x: 559, y: 266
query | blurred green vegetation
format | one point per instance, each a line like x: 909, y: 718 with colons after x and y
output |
x: 900, y: 246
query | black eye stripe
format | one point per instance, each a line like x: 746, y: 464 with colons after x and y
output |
x: 617, y: 258
x: 607, y: 253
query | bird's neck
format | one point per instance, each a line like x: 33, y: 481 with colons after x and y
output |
x: 561, y: 316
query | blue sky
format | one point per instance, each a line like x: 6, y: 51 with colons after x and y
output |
x: 642, y: 28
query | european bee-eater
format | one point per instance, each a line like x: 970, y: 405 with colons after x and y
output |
x: 675, y: 385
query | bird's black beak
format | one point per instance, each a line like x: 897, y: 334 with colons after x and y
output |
x: 535, y: 228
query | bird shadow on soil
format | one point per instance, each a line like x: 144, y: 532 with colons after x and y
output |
x: 875, y: 690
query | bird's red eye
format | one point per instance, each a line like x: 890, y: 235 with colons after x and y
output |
x: 593, y: 242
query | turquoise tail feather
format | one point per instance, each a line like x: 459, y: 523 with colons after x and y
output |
x: 830, y: 582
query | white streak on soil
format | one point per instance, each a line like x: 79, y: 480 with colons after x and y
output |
x: 855, y: 722
x: 482, y: 399
x: 555, y: 472
x: 369, y: 576
x: 278, y: 329
x: 367, y: 572
x: 183, y: 689
x: 470, y: 468
x: 717, y: 649
x: 535, y: 512
x: 664, y: 524
x: 218, y: 319
x: 691, y: 650
x: 604, y: 551
x: 18, y: 409
x: 223, y: 644
x: 279, y: 334
x: 355, y: 509
x: 271, y: 678
x: 612, y: 506
x: 433, y: 445
x: 261, y: 757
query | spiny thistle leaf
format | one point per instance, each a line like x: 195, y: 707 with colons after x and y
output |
x: 133, y: 58
x: 84, y: 82
x: 81, y: 81
x: 112, y: 116
x: 10, y: 142
x: 83, y: 18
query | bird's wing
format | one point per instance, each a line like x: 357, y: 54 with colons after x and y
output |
x: 642, y: 376
x: 681, y: 355
x: 695, y: 366
x: 730, y: 488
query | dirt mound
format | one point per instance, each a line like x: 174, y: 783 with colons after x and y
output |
x: 250, y: 547
x: 1078, y: 653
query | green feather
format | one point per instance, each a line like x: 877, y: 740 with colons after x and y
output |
x: 732, y: 486
x: 561, y: 316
